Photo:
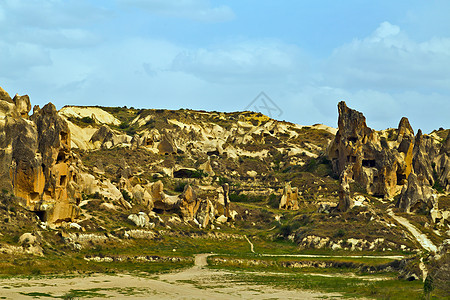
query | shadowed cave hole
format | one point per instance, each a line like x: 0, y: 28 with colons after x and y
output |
x: 369, y: 163
x: 351, y: 158
x: 400, y: 178
x: 62, y: 180
x: 61, y: 156
x: 42, y: 215
x: 64, y: 137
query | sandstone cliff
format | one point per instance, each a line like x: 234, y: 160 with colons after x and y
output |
x: 37, y: 162
x: 390, y: 162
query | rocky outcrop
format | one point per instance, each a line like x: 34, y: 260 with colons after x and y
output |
x: 417, y: 194
x: 37, y: 163
x: 140, y: 219
x: 189, y: 203
x: 289, y: 199
x: 58, y: 166
x: 167, y: 145
x: 345, y: 200
x: 106, y: 138
x: 380, y: 169
x: 388, y: 163
x: 207, y: 168
x: 161, y: 201
x: 442, y: 165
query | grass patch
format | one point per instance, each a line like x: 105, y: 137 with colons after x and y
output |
x: 349, y: 287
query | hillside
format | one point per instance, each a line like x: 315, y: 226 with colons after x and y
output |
x: 107, y: 188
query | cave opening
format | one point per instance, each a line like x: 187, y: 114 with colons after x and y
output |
x: 64, y: 137
x: 400, y: 178
x: 62, y: 180
x: 368, y: 163
x: 61, y: 156
x: 42, y: 215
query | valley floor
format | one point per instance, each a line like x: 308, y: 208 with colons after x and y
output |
x: 197, y: 282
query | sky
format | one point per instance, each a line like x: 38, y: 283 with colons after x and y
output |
x: 293, y: 59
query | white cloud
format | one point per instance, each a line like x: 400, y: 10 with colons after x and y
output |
x: 389, y: 60
x: 198, y: 10
x: 385, y: 30
x: 249, y: 61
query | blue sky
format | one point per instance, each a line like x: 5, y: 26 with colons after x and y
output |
x: 387, y: 59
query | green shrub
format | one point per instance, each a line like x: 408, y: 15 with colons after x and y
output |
x: 339, y: 233
x: 273, y: 201
x: 438, y: 186
x: 245, y: 198
x: 179, y: 187
x: 223, y: 180
x: 286, y: 230
x: 126, y: 195
x: 87, y: 120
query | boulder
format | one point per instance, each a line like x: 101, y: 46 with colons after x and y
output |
x: 205, y: 213
x: 160, y: 200
x: 141, y: 219
x: 142, y: 196
x: 31, y: 243
x: 221, y: 219
x: 27, y: 239
x: 23, y: 105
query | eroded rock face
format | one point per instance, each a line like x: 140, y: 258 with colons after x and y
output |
x: 416, y: 195
x: 37, y: 163
x: 442, y: 163
x: 189, y: 203
x: 106, y: 138
x: 378, y: 168
x: 345, y: 200
x: 388, y: 163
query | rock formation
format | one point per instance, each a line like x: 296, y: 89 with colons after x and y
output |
x: 376, y: 167
x: 417, y: 194
x: 388, y: 163
x: 345, y: 200
x: 189, y: 203
x: 289, y: 199
x: 37, y: 163
x: 104, y: 137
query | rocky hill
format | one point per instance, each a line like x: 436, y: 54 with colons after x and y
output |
x: 141, y: 173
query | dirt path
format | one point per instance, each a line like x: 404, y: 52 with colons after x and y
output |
x: 251, y: 244
x: 197, y: 282
x: 423, y: 240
